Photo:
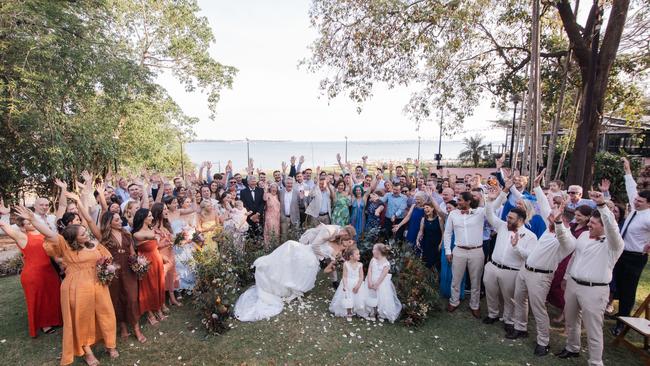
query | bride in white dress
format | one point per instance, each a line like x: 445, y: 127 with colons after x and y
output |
x: 288, y: 272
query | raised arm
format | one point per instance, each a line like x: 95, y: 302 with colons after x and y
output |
x: 612, y: 232
x: 19, y: 237
x: 83, y: 211
x: 63, y: 202
x: 39, y: 225
x: 630, y: 183
x: 338, y: 160
x: 101, y: 188
x: 544, y: 206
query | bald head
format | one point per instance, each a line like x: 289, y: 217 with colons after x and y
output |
x: 41, y: 206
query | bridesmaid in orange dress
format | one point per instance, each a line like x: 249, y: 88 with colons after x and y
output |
x: 40, y: 281
x: 163, y: 229
x: 152, y: 284
x: 88, y: 315
x: 124, y: 288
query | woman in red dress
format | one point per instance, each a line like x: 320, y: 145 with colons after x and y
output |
x: 151, y: 293
x: 556, y: 292
x: 40, y: 281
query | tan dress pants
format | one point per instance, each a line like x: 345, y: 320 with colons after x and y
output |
x: 585, y: 305
x: 531, y: 289
x: 500, y: 283
x: 472, y: 260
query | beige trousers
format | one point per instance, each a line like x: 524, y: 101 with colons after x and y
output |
x: 531, y: 289
x: 473, y: 261
x: 285, y: 227
x: 312, y: 222
x: 585, y: 305
x: 500, y: 283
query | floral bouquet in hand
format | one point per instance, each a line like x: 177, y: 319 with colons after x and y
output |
x: 139, y: 264
x: 106, y: 270
x: 198, y: 238
x: 182, y: 238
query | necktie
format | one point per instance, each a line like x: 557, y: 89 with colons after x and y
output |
x: 628, y: 224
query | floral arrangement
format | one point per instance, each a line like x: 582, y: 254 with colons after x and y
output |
x: 139, y: 264
x: 106, y: 270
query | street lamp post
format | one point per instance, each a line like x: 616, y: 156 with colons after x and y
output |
x: 182, y: 160
x: 346, y: 149
x: 439, y: 154
x: 419, y: 141
x: 515, y: 100
x: 248, y: 151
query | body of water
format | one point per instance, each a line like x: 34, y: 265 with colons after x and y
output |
x: 269, y: 155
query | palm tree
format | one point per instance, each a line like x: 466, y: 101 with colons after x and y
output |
x: 474, y: 149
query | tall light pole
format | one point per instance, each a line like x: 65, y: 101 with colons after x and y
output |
x: 248, y: 152
x: 346, y: 149
x: 439, y: 154
x: 419, y: 141
x: 515, y: 100
x: 182, y: 160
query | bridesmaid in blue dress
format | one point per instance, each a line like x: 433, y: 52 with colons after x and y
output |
x: 445, y: 266
x: 358, y: 205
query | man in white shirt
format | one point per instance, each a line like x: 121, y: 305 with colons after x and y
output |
x: 320, y: 204
x: 466, y: 223
x: 510, y: 250
x: 289, y: 208
x: 636, y: 235
x: 534, y: 281
x: 588, y: 278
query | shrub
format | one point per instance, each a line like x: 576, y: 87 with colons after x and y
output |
x: 11, y: 266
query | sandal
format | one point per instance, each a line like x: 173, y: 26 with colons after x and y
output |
x: 112, y: 352
x: 141, y: 338
x: 52, y: 330
x: 152, y: 320
x: 93, y: 362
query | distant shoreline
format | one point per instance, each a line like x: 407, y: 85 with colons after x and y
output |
x: 323, y: 142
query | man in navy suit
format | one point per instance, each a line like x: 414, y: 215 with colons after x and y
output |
x: 253, y: 199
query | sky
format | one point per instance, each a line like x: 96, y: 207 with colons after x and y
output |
x: 273, y: 99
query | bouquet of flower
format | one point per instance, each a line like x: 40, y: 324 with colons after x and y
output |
x: 106, y: 270
x: 181, y: 238
x: 198, y: 238
x: 139, y: 264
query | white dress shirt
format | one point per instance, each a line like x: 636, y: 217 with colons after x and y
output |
x: 504, y: 253
x: 325, y: 202
x: 637, y: 224
x: 548, y: 252
x: 594, y: 258
x: 468, y: 228
x: 288, y: 197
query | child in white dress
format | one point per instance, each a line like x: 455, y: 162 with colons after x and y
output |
x: 350, y: 296
x: 382, y: 299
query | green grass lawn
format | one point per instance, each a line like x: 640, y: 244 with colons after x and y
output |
x: 304, y: 334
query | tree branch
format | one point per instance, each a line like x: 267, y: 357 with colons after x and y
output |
x: 572, y: 30
x: 613, y: 35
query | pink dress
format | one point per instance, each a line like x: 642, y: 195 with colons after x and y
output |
x: 272, y: 219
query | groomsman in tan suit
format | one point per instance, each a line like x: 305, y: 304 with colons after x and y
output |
x: 512, y: 245
x: 588, y: 278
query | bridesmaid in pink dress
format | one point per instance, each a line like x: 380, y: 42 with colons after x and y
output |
x: 271, y: 215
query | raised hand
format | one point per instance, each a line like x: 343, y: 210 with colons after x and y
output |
x: 364, y: 158
x: 493, y: 193
x: 597, y: 197
x: 87, y: 177
x: 514, y: 239
x: 301, y: 160
x: 604, y: 185
x: 100, y: 188
x: 555, y: 215
x: 4, y: 210
x: 80, y: 185
x: 24, y: 212
x: 509, y: 182
x: 73, y: 196
x: 284, y: 167
x: 626, y: 165
x: 338, y: 157
x: 538, y: 179
x: 500, y: 161
x: 61, y: 184
x: 293, y: 160
x: 209, y: 165
x: 229, y: 166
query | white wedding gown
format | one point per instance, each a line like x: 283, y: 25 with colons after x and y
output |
x: 281, y: 276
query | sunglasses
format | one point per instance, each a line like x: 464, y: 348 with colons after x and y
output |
x: 572, y: 192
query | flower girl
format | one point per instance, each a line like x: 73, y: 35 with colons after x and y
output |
x: 237, y: 226
x: 350, y: 296
x: 382, y: 299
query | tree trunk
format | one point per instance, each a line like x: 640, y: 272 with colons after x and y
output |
x: 558, y: 118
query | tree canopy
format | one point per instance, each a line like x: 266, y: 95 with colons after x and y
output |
x: 78, y: 86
